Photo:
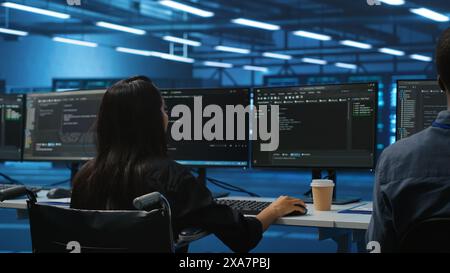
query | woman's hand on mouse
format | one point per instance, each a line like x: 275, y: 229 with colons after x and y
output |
x: 280, y: 207
x: 285, y: 205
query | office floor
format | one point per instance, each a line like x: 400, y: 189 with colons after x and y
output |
x: 15, y: 237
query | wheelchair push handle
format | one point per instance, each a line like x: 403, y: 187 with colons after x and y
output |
x: 147, y: 201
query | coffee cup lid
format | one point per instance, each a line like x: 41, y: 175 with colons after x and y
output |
x: 322, y: 183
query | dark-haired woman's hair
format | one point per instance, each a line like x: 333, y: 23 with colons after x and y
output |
x: 130, y: 135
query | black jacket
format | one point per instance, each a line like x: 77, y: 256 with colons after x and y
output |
x: 192, y: 206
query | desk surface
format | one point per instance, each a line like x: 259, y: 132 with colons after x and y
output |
x: 326, y: 219
x: 22, y: 203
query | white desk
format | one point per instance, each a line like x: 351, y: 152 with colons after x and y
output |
x: 21, y: 204
x: 325, y: 219
x: 341, y: 227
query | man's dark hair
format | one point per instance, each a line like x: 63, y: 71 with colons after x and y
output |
x: 443, y: 58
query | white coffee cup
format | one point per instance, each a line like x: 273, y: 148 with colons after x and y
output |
x: 322, y: 190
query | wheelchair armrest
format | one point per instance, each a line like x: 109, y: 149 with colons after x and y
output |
x: 190, y: 235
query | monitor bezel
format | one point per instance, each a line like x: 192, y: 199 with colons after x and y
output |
x: 194, y: 166
x: 302, y: 167
x: 397, y: 110
x: 56, y: 158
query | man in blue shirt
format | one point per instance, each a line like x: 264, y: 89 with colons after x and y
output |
x: 412, y: 179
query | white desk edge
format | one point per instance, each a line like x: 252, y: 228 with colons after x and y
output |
x: 324, y: 219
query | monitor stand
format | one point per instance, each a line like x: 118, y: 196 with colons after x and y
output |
x: 203, y: 179
x: 342, y: 200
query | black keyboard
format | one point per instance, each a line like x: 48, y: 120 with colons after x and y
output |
x: 249, y: 207
x: 13, y: 191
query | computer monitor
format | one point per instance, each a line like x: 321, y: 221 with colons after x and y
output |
x: 61, y: 85
x: 60, y: 125
x: 11, y: 126
x: 418, y: 104
x: 208, y: 153
x: 321, y: 127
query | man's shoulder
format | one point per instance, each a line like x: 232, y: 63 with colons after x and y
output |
x: 413, y: 145
x: 403, y: 158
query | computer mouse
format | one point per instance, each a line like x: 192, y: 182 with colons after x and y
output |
x: 58, y: 193
x: 298, y: 213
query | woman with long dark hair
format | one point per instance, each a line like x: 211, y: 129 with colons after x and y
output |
x: 132, y: 161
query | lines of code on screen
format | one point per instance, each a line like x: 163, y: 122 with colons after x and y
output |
x: 204, y: 152
x: 419, y: 103
x: 11, y: 126
x: 321, y: 126
x: 60, y: 126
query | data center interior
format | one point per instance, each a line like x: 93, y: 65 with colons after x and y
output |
x: 376, y: 55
